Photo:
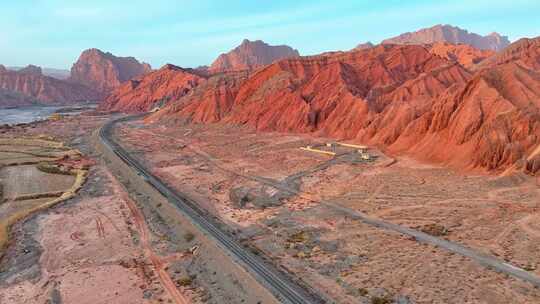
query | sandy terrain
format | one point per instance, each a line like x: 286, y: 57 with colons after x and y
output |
x: 352, y: 261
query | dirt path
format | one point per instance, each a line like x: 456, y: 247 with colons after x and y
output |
x: 160, y: 264
x: 524, y: 225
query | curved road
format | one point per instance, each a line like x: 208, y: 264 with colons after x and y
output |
x: 278, y: 283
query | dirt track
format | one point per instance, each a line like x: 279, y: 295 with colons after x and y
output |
x: 160, y: 264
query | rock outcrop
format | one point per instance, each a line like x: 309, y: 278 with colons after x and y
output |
x: 31, y: 83
x: 154, y: 89
x: 401, y: 98
x: 104, y: 72
x: 453, y: 35
x: 251, y: 54
x: 525, y: 52
x: 465, y: 54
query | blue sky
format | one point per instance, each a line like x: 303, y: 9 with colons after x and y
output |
x: 52, y: 33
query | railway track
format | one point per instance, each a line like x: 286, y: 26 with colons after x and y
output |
x: 280, y: 284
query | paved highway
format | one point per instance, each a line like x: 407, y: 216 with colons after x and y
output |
x: 281, y: 285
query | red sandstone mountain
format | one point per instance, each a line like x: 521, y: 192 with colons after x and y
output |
x: 465, y: 54
x: 210, y: 101
x: 250, y: 55
x: 31, y: 83
x: 451, y: 34
x: 145, y: 92
x: 404, y: 99
x: 525, y: 52
x: 104, y: 71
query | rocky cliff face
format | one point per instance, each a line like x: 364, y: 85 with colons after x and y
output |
x: 104, y: 72
x: 30, y: 82
x: 250, y: 55
x: 453, y: 35
x: 154, y: 89
x: 402, y: 98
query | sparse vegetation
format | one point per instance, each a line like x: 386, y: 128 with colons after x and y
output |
x: 298, y: 237
x: 189, y: 236
x: 51, y: 168
x: 435, y: 229
x: 362, y: 292
x: 381, y: 300
x: 185, y: 281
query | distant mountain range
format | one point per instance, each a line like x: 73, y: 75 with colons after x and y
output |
x: 451, y: 34
x: 54, y: 73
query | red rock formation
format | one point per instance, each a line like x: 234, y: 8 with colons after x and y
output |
x: 104, y: 71
x: 250, y: 55
x: 150, y: 90
x: 208, y: 102
x: 465, y: 54
x: 525, y: 52
x: 47, y: 90
x: 453, y: 35
x: 403, y: 99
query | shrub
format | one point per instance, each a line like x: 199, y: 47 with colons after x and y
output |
x: 189, y: 236
x: 185, y: 281
x: 381, y: 300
